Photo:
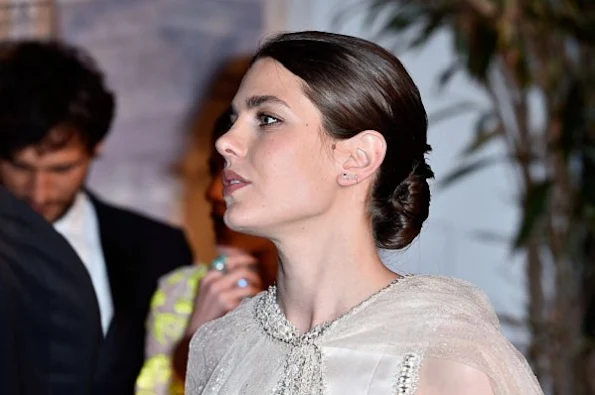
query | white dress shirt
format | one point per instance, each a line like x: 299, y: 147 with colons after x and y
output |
x: 80, y: 227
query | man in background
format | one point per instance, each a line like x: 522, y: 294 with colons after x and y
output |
x: 55, y: 112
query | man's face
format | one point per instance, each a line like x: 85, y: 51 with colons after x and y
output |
x: 48, y: 180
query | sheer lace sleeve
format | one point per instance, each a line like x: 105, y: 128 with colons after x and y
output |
x: 467, y: 346
x: 444, y: 377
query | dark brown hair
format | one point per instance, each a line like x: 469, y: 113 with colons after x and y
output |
x: 357, y: 86
x: 50, y: 84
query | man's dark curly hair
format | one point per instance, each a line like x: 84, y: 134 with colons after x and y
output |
x: 45, y: 85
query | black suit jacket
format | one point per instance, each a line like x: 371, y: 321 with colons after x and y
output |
x: 11, y: 369
x: 137, y: 251
x: 51, y: 333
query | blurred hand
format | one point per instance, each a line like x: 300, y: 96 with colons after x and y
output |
x: 220, y: 293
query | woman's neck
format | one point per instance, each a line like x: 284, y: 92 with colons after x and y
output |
x: 267, y: 265
x: 322, y: 275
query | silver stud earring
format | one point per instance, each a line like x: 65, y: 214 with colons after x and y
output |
x: 349, y: 176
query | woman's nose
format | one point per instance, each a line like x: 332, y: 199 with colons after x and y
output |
x: 231, y: 145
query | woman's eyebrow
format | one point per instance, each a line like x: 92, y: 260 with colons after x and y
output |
x: 257, y: 101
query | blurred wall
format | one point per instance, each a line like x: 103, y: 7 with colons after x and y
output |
x: 159, y: 57
x: 466, y: 234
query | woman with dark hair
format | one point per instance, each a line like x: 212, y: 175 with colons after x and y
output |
x: 325, y: 156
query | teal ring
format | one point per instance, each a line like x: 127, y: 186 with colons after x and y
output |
x: 220, y: 264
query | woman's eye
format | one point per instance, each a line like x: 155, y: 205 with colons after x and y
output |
x: 266, y: 120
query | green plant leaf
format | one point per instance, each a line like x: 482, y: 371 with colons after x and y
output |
x: 451, y: 111
x: 434, y: 22
x: 399, y: 22
x: 481, y: 140
x: 490, y: 236
x: 483, y: 41
x: 403, y: 14
x: 534, y: 205
x: 446, y: 75
x: 467, y: 169
x: 484, y: 133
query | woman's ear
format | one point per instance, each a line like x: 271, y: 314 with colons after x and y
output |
x: 365, y: 153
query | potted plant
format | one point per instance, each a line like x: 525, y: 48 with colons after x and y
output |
x: 522, y: 52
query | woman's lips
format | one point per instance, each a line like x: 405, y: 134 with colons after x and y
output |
x: 232, y: 181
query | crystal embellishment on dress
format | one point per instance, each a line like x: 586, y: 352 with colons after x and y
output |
x: 304, y: 366
x: 408, y: 374
x: 304, y: 373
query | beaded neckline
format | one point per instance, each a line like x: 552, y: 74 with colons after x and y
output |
x: 275, y: 324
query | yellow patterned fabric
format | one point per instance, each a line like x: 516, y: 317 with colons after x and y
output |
x: 170, y: 310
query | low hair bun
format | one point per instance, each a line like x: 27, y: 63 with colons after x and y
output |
x: 398, y: 220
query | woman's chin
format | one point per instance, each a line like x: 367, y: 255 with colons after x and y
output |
x: 235, y: 222
x: 240, y: 224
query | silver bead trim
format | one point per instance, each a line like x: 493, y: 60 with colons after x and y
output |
x: 408, y: 376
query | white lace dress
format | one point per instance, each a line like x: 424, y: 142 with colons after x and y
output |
x: 402, y: 340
